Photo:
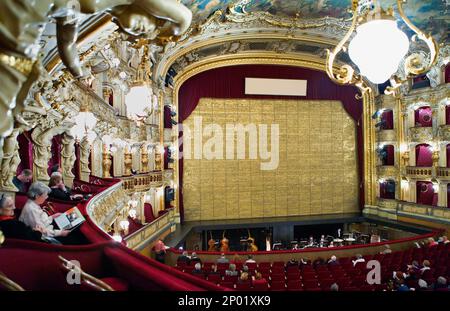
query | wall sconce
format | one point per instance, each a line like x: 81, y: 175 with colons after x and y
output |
x: 378, y: 48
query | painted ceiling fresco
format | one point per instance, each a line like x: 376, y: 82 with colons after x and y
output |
x: 432, y: 15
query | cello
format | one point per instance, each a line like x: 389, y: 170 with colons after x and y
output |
x: 224, y: 243
x: 211, y: 243
x: 251, y: 243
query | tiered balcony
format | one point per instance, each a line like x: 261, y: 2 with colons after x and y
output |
x: 142, y: 182
x: 387, y: 171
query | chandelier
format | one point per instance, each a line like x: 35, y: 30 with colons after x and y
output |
x: 379, y: 47
x: 85, y: 122
x: 140, y: 100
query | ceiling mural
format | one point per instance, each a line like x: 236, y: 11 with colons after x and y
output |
x: 432, y: 15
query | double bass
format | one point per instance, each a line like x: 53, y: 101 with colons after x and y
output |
x: 251, y: 243
x: 224, y: 247
x: 211, y: 244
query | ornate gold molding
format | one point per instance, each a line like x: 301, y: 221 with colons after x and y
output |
x: 387, y: 171
x: 387, y: 203
x: 387, y: 136
x: 421, y: 134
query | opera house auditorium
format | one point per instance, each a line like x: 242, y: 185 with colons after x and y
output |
x: 232, y: 145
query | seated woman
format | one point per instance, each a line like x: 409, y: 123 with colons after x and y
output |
x: 11, y: 227
x: 34, y: 216
x: 59, y: 190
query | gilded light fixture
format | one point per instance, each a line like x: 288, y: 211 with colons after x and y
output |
x: 378, y: 48
x: 140, y: 99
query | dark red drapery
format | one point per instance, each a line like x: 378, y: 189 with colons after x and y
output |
x: 447, y: 73
x: 425, y: 193
x: 388, y: 118
x: 167, y: 117
x: 229, y: 82
x: 389, y: 160
x: 76, y: 166
x: 25, y: 151
x: 447, y: 115
x: 448, y: 155
x: 56, y: 153
x: 423, y: 116
x: 424, y: 155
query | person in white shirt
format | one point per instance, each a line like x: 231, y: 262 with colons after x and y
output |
x: 359, y: 258
x: 250, y: 259
x: 33, y: 216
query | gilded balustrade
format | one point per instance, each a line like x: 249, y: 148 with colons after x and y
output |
x: 142, y: 182
x: 433, y: 213
x: 419, y: 172
x: 443, y: 173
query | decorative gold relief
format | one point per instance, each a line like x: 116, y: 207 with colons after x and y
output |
x: 128, y: 162
x: 421, y: 134
x: 387, y: 171
x: 308, y: 172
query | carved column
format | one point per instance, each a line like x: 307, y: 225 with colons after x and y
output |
x: 144, y: 159
x: 412, y: 191
x: 42, y: 144
x: 128, y: 162
x: 106, y: 163
x: 85, y: 152
x: 68, y: 158
x: 9, y: 162
x: 442, y: 194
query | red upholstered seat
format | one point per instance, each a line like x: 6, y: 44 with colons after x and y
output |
x: 277, y: 286
x: 243, y: 286
x: 214, y: 278
x: 116, y: 283
x: 294, y: 285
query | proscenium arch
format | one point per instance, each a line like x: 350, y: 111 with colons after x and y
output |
x: 302, y: 61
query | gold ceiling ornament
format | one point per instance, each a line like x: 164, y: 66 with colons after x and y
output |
x: 379, y: 47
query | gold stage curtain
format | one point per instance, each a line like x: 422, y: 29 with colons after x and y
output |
x: 316, y: 172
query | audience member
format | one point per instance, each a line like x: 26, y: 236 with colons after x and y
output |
x: 197, y: 269
x: 333, y: 261
x: 334, y: 287
x: 184, y: 257
x: 20, y: 180
x: 292, y: 262
x: 194, y: 258
x: 13, y: 228
x: 259, y: 281
x: 432, y: 242
x: 441, y: 284
x: 387, y: 249
x: 59, y: 190
x: 34, y: 216
x: 231, y: 270
x: 222, y: 259
x: 359, y: 258
x: 422, y: 285
x: 250, y: 259
x: 236, y: 259
x: 160, y: 251
x: 243, y: 278
x: 425, y: 266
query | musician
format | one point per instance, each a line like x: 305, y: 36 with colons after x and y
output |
x: 251, y: 244
x: 295, y: 247
x: 311, y: 241
x: 322, y: 241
